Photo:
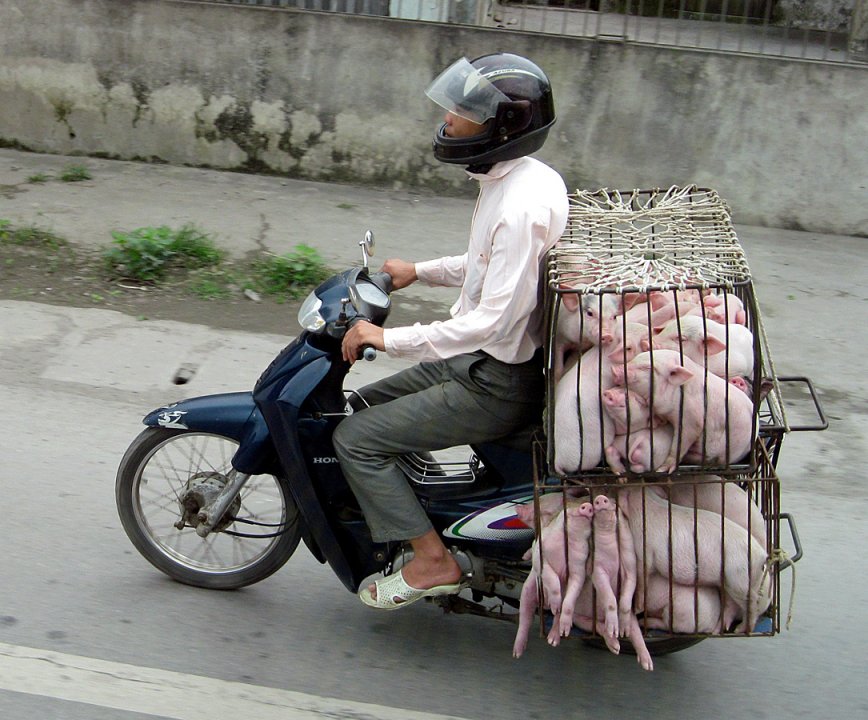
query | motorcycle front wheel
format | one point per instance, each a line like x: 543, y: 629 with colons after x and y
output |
x: 161, y: 478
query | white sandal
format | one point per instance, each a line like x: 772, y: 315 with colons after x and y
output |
x: 393, y: 592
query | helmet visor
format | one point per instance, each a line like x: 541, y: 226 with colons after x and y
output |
x: 461, y: 89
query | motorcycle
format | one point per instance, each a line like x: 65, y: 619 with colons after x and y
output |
x: 217, y: 491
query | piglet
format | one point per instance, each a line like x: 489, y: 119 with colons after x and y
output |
x: 614, y: 563
x: 719, y: 431
x: 556, y: 565
x: 728, y: 348
x: 550, y: 504
x: 681, y: 608
x: 698, y: 547
x: 584, y: 320
x: 724, y: 498
x: 582, y: 429
x: 649, y: 448
x: 629, y: 338
x: 725, y: 308
x: 643, y: 312
x: 628, y: 411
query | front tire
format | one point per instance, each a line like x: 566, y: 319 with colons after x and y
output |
x: 165, y: 468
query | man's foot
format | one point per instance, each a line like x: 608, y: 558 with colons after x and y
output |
x: 392, y: 592
x: 426, y: 573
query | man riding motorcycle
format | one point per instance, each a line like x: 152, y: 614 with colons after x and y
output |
x: 480, y: 372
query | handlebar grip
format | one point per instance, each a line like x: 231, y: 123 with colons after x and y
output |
x: 383, y: 280
x: 369, y: 353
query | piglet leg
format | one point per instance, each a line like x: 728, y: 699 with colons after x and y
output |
x: 634, y: 632
x: 529, y: 603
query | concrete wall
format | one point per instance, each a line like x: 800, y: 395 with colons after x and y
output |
x: 337, y: 97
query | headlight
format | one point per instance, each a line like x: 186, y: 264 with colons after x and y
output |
x: 308, y: 314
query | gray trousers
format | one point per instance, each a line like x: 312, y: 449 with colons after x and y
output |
x: 466, y: 399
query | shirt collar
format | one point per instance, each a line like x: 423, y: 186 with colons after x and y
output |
x: 498, y: 171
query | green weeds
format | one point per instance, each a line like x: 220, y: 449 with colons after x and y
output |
x: 32, y: 237
x: 75, y: 173
x: 155, y: 254
x: 185, y: 260
x: 149, y: 254
x: 292, y: 274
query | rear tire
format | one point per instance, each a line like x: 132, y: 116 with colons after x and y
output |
x: 163, y: 467
x: 656, y: 646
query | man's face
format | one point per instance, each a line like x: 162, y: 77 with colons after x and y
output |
x: 460, y: 127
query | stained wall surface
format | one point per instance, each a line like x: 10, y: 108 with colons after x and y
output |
x: 336, y: 97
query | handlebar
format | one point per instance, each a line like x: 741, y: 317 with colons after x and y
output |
x: 383, y: 280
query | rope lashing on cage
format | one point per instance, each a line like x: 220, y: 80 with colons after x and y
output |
x: 662, y: 240
x: 778, y: 556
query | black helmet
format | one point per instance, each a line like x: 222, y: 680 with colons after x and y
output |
x: 507, y: 93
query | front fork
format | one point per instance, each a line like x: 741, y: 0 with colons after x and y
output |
x: 209, y: 515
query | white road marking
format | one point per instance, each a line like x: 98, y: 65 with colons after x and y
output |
x: 179, y: 696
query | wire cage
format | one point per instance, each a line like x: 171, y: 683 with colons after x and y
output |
x: 642, y: 272
x: 707, y: 552
x: 662, y: 399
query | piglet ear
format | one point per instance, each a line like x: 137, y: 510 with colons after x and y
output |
x: 657, y: 300
x: 525, y: 513
x: 714, y: 345
x: 570, y: 301
x: 636, y: 452
x: 679, y: 375
x: 712, y: 300
x: 630, y: 299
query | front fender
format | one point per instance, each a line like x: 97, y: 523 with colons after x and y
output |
x: 223, y: 414
x: 232, y: 415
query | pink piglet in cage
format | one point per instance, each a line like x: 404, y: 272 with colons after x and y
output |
x: 719, y: 430
x: 727, y: 350
x: 584, y: 321
x: 558, y: 563
x: 694, y: 546
x: 583, y: 430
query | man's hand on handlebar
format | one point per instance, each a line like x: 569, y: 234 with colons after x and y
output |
x: 362, y: 333
x: 403, y: 273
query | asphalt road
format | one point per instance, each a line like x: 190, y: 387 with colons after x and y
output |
x: 72, y: 583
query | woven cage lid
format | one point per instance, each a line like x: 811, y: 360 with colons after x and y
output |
x: 647, y: 240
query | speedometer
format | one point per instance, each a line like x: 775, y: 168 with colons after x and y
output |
x: 371, y: 294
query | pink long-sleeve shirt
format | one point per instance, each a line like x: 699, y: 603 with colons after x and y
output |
x: 520, y: 214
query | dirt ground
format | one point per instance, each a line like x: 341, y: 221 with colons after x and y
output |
x: 64, y: 277
x: 58, y: 277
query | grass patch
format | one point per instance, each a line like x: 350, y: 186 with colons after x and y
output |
x: 292, y: 274
x: 141, y: 266
x: 32, y: 237
x: 149, y: 254
x: 75, y: 173
x: 211, y: 283
x: 38, y: 178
